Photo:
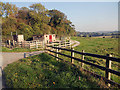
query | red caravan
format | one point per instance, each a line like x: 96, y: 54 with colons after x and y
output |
x: 47, y: 38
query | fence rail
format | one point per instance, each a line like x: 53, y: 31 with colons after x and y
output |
x: 62, y: 44
x: 24, y: 44
x: 35, y: 44
x: 89, y: 54
x: 107, y: 68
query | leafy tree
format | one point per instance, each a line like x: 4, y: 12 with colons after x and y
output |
x: 36, y: 29
x: 22, y: 15
x: 10, y: 10
x: 34, y: 21
x: 59, y: 21
x: 39, y: 8
x: 45, y: 28
x: 26, y: 30
x: 9, y: 26
x: 24, y: 8
x: 57, y: 17
x: 2, y: 6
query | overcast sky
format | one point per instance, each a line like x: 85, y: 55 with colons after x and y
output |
x: 86, y: 16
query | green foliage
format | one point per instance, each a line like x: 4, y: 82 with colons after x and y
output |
x: 2, y: 5
x: 26, y: 30
x: 39, y: 8
x: 9, y: 10
x: 9, y: 25
x: 34, y: 21
x: 43, y: 71
x: 59, y: 21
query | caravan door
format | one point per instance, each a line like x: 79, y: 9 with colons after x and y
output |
x: 50, y: 38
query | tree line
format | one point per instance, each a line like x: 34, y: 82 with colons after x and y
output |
x: 35, y: 20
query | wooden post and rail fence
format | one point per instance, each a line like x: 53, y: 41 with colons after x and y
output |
x: 62, y: 44
x: 35, y: 44
x: 31, y: 44
x: 107, y: 68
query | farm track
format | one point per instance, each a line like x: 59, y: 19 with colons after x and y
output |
x: 76, y: 43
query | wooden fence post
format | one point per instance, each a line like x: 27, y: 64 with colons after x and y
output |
x: 72, y: 55
x: 70, y: 44
x: 65, y: 44
x: 21, y: 44
x: 53, y: 46
x: 82, y: 64
x: 9, y: 43
x: 108, y: 65
x: 24, y: 44
x: 57, y: 54
x: 43, y: 44
x: 59, y: 44
x: 6, y: 43
x: 13, y: 43
x: 29, y: 45
x: 36, y: 44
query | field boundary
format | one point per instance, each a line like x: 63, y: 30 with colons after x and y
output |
x: 107, y: 68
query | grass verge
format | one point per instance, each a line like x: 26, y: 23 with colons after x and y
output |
x: 43, y: 71
x: 4, y: 49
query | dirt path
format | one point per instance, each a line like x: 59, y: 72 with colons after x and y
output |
x: 76, y: 43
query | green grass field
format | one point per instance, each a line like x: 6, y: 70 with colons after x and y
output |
x: 101, y: 46
x: 43, y: 71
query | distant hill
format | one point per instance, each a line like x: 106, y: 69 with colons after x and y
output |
x: 99, y: 33
x: 108, y: 31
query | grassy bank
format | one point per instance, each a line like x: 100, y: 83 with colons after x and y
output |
x: 43, y: 71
